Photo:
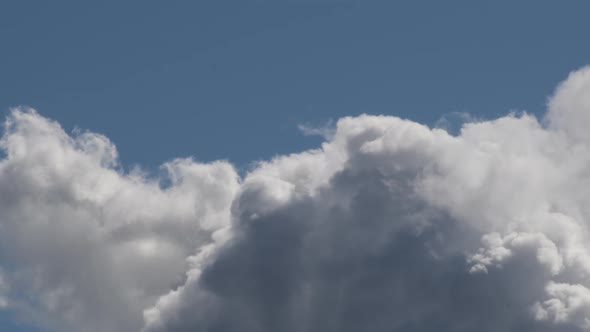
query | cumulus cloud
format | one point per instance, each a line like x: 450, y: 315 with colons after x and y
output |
x: 388, y: 226
x: 569, y: 108
x: 86, y: 248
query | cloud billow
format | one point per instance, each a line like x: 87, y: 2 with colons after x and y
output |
x: 389, y: 226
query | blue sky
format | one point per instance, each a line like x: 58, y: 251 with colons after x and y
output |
x: 233, y: 79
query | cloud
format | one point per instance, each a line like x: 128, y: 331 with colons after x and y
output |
x: 388, y: 226
x: 452, y: 122
x: 85, y: 247
x: 326, y: 131
x: 569, y: 107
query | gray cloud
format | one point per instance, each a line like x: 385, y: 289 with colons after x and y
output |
x: 389, y: 226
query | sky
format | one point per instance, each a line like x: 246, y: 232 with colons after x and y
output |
x: 186, y: 74
x: 183, y: 105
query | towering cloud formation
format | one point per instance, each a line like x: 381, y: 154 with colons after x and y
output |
x: 389, y: 226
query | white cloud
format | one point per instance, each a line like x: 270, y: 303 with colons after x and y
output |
x: 326, y: 131
x: 569, y: 108
x: 383, y: 228
x: 497, y: 250
x: 86, y: 247
x: 567, y: 303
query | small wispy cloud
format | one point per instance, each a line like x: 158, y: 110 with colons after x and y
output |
x: 326, y: 130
